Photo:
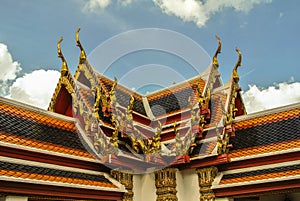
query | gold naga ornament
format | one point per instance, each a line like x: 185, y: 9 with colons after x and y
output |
x: 218, y: 51
x: 64, y: 67
x: 146, y: 146
x: 82, y: 57
x: 223, y: 140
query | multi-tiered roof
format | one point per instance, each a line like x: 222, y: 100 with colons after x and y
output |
x: 94, y: 124
x: 188, y: 121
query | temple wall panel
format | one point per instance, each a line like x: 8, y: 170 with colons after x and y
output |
x: 187, y: 185
x: 15, y: 198
x: 144, y: 187
x: 224, y: 199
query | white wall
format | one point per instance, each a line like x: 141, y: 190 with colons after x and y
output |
x: 144, y: 187
x: 224, y: 199
x: 15, y: 198
x: 187, y: 185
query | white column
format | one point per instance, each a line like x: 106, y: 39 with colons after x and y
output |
x: 224, y: 199
x: 16, y: 198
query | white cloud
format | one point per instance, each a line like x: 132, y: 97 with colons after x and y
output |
x: 281, y: 14
x: 35, y: 88
x: 8, y: 68
x: 200, y: 12
x: 187, y: 10
x: 256, y: 99
x: 96, y: 5
x: 125, y: 2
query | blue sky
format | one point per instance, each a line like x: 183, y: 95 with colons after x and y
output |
x: 266, y: 31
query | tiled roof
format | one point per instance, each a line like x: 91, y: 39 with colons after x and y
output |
x: 204, y: 149
x: 266, y: 119
x: 88, y: 97
x: 123, y: 99
x: 30, y: 128
x: 265, y: 134
x: 256, y: 175
x: 123, y: 95
x: 31, y: 172
x: 20, y: 113
x: 218, y: 101
x: 171, y: 102
x: 17, y: 140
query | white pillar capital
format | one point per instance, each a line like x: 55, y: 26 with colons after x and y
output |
x: 16, y: 198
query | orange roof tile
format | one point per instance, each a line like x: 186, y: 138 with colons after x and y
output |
x: 279, y: 146
x: 261, y: 177
x: 37, y: 117
x: 267, y: 119
x: 33, y: 176
x: 14, y: 139
x: 171, y: 89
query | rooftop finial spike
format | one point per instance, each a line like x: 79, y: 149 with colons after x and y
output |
x: 238, y: 63
x: 64, y: 67
x: 218, y: 51
x: 82, y: 57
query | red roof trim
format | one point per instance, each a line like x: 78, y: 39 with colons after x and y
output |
x: 66, y: 192
x: 45, y: 158
x: 278, y: 158
x: 257, y: 188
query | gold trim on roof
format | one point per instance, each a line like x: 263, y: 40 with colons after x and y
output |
x: 218, y: 51
x: 238, y: 64
x: 82, y: 57
x: 229, y: 115
x: 64, y: 66
x: 65, y: 79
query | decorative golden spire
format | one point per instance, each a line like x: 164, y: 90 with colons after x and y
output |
x: 64, y: 66
x: 178, y: 141
x: 82, y: 57
x: 238, y: 63
x: 218, y: 51
x: 112, y: 93
x: 155, y: 144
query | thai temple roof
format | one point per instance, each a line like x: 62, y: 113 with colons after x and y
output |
x: 93, y: 121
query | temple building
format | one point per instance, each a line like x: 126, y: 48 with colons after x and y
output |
x: 191, y: 141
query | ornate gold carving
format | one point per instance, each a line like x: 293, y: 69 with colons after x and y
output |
x: 82, y: 57
x: 155, y: 145
x: 129, y: 117
x: 65, y: 80
x: 206, y: 177
x: 203, y: 103
x: 114, y: 138
x: 218, y: 51
x: 112, y: 93
x: 178, y: 141
x: 146, y: 146
x: 64, y: 66
x: 126, y: 179
x: 238, y: 63
x: 165, y: 182
x: 229, y: 115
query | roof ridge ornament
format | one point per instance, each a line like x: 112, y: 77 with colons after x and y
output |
x: 218, y: 51
x: 235, y: 74
x: 64, y: 66
x: 82, y: 57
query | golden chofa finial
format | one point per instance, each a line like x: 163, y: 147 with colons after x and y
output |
x: 64, y: 66
x: 238, y: 63
x: 82, y: 57
x: 218, y: 51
